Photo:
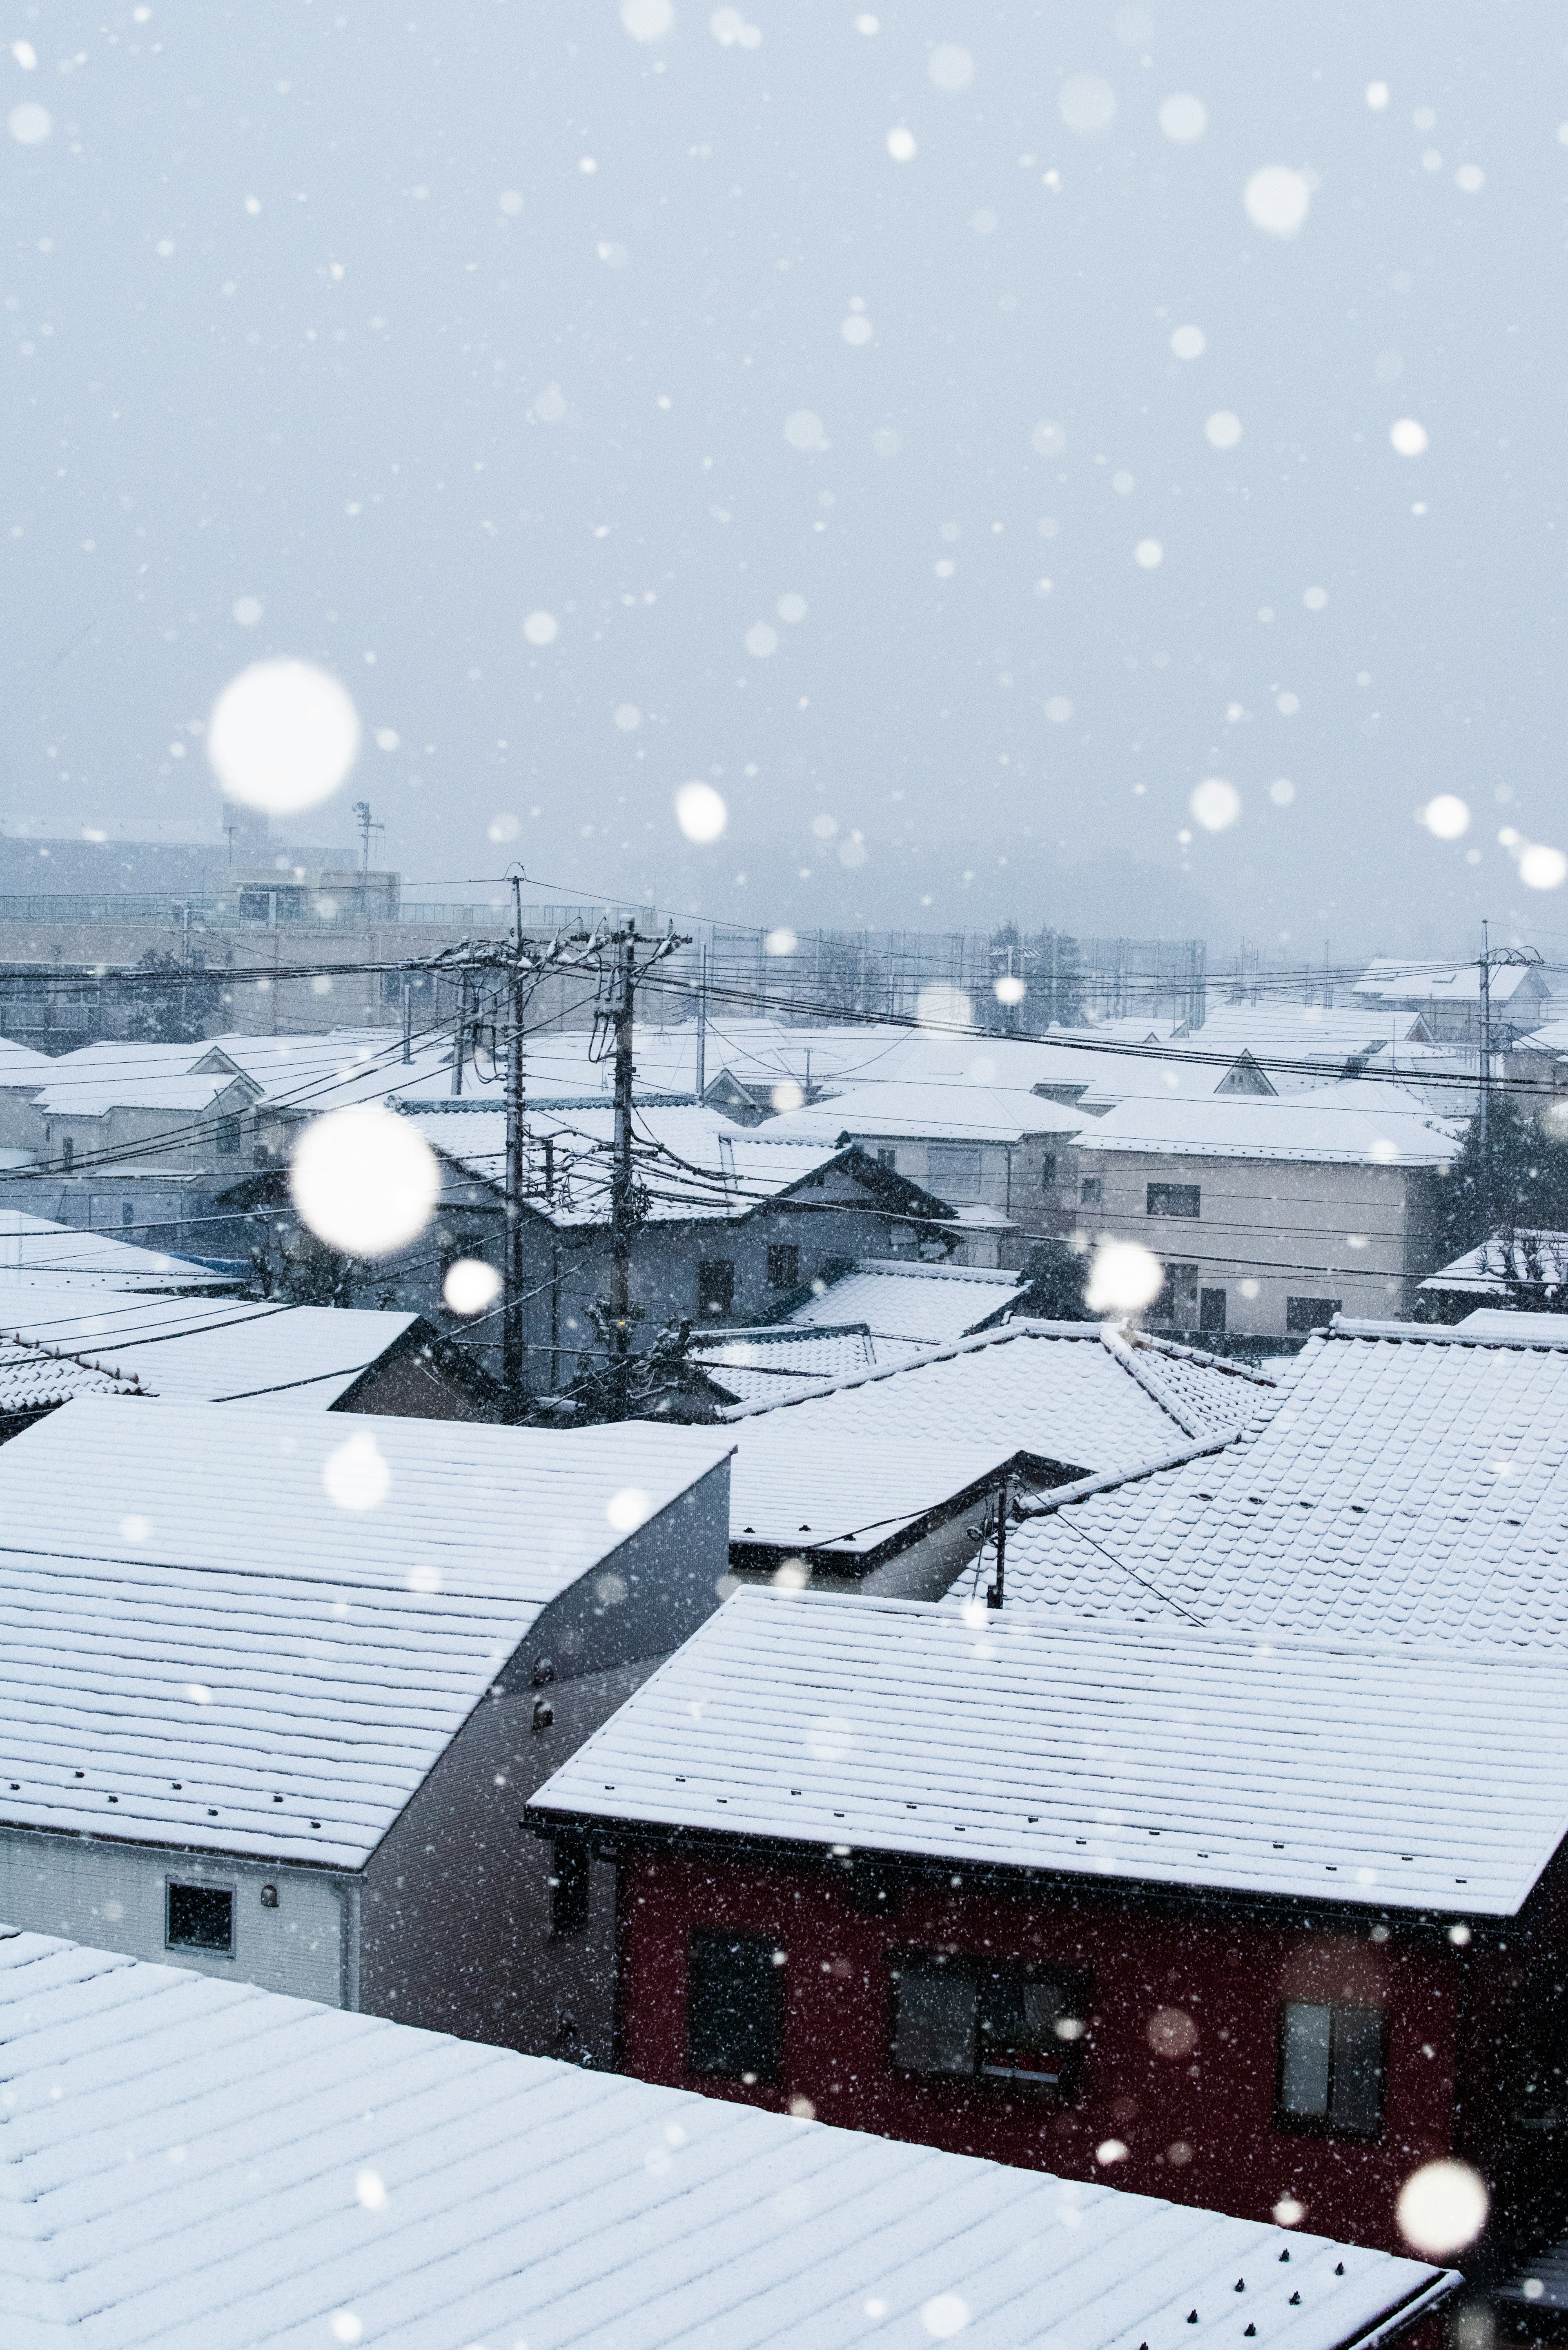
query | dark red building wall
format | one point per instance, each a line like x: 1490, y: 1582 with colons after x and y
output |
x: 1197, y: 2122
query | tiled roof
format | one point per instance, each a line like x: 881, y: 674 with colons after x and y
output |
x: 771, y: 1366
x: 32, y: 1248
x: 341, y: 2178
x: 198, y: 1643
x: 1376, y: 1775
x: 207, y: 1350
x: 1360, y: 1122
x: 1409, y: 1482
x: 932, y: 1304
x: 36, y: 1378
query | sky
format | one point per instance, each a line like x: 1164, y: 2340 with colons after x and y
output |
x: 925, y: 427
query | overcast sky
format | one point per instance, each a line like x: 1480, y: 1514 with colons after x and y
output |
x: 860, y: 475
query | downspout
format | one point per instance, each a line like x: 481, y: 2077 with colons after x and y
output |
x: 348, y: 1892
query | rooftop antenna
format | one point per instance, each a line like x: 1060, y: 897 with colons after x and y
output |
x: 367, y: 824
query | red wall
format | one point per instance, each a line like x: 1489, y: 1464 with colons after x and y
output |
x: 1198, y: 2128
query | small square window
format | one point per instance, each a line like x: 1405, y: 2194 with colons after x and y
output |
x: 1179, y: 1199
x: 959, y: 2018
x: 226, y: 1135
x: 1212, y: 1312
x: 715, y: 1284
x: 886, y: 1156
x: 783, y: 1266
x: 735, y: 2008
x: 1310, y: 1312
x: 1331, y: 2068
x: 201, y: 1918
x: 1092, y: 1192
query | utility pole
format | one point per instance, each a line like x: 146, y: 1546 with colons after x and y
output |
x: 516, y: 1171
x: 997, y: 1592
x: 623, y: 1000
x: 702, y: 1026
x: 459, y: 1039
x: 1483, y: 1137
x: 408, y: 1017
x: 367, y: 824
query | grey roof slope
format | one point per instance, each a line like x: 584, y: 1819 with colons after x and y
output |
x: 198, y: 1645
x: 1409, y: 1482
x: 196, y: 2163
x: 1382, y: 1776
x: 932, y: 1304
x: 206, y: 1350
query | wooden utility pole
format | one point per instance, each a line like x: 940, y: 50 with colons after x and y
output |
x: 623, y: 1000
x: 460, y: 1037
x: 1481, y: 1136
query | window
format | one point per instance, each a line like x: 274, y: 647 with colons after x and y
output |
x: 952, y: 1171
x: 715, y: 1284
x: 963, y: 2019
x: 1092, y: 1192
x: 1212, y: 1312
x: 1178, y: 1301
x: 783, y: 1266
x: 568, y: 1885
x: 1048, y: 1172
x: 127, y: 1214
x: 68, y: 1152
x: 886, y: 1156
x: 1310, y: 1312
x: 1331, y: 2068
x: 200, y: 1917
x: 226, y: 1137
x: 735, y: 2008
x: 1173, y: 1200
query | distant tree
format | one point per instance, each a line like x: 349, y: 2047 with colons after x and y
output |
x: 172, y: 1003
x: 1519, y: 1181
x: 1052, y: 1286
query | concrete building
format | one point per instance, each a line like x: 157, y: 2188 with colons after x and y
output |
x: 276, y: 1685
x: 1270, y: 1216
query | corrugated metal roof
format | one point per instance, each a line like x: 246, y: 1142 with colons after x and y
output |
x: 342, y: 2177
x: 202, y: 1350
x: 34, y: 1249
x: 1380, y: 1776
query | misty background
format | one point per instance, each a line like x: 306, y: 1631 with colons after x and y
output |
x: 420, y: 330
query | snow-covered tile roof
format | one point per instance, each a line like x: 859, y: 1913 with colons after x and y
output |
x: 1501, y: 1321
x: 850, y: 1467
x: 36, y: 1378
x: 1526, y: 1254
x: 692, y: 1164
x: 771, y: 1365
x: 344, y: 2178
x: 512, y: 1513
x: 941, y: 1110
x: 929, y: 1303
x: 1408, y: 1483
x: 1360, y: 1121
x: 199, y: 1644
x: 209, y: 1350
x: 32, y: 1249
x: 1353, y: 1772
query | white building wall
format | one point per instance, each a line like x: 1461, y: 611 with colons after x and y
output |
x: 113, y: 1897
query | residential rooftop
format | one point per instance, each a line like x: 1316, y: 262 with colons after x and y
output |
x: 202, y: 2162
x: 928, y: 1304
x: 208, y: 1350
x: 1376, y: 1776
x: 1359, y: 1121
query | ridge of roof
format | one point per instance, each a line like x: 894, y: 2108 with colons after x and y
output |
x: 1106, y: 1480
x: 992, y: 1276
x: 1423, y: 1333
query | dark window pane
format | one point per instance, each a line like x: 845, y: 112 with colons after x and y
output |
x: 1310, y: 1312
x: 1018, y: 2019
x: 735, y: 2008
x: 783, y: 1266
x: 934, y: 2016
x: 1048, y: 1172
x: 1174, y: 1200
x: 715, y: 1284
x: 1356, y: 2103
x: 1091, y: 1191
x: 1304, y: 2061
x: 1212, y: 1310
x: 201, y: 1918
x: 569, y: 1886
x: 227, y: 1137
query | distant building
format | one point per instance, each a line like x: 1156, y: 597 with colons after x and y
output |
x: 1449, y: 997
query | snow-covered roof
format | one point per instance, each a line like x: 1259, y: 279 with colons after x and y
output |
x: 77, y: 1096
x: 531, y: 2201
x: 37, y: 1378
x: 1536, y: 1258
x: 308, y: 1073
x: 938, y: 1110
x: 766, y: 1365
x: 1408, y: 1483
x: 693, y: 1164
x: 1359, y: 1121
x: 35, y: 1250
x: 1379, y: 1775
x: 1292, y: 1032
x: 21, y: 1066
x: 1553, y: 1037
x: 1388, y: 979
x: 850, y: 1467
x: 256, y: 1631
x: 928, y: 1303
x: 209, y: 1350
x: 1499, y: 1321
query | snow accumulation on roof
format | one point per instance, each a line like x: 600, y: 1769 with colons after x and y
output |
x: 35, y: 1379
x: 1409, y: 1484
x: 209, y: 1350
x: 1535, y: 1257
x: 942, y: 1112
x: 342, y: 2176
x: 35, y: 1250
x: 851, y: 1466
x: 21, y: 1066
x: 1515, y: 1329
x: 1360, y: 1121
x: 771, y: 1365
x: 328, y: 1071
x: 1382, y: 1776
x: 257, y: 1633
x: 1388, y: 979
x: 80, y: 1097
x: 692, y: 1164
x: 932, y: 1304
